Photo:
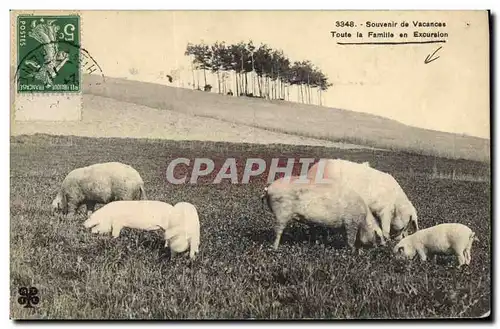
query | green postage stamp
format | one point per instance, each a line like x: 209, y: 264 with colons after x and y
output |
x: 48, y: 54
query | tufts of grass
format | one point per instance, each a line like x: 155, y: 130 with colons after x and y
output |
x: 237, y: 275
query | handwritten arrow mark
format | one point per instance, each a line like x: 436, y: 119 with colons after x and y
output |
x: 429, y: 58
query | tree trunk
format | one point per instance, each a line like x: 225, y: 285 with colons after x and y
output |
x: 218, y: 83
x: 253, y: 83
x: 268, y: 81
x: 265, y: 86
x: 242, y: 72
x: 259, y: 85
x: 246, y: 84
x: 192, y: 70
x: 278, y: 85
x: 205, y: 75
x: 236, y: 82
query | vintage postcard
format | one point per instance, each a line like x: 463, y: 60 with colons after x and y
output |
x: 250, y: 165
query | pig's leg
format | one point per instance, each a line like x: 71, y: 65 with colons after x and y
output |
x: 116, y: 230
x: 467, y: 252
x: 72, y: 207
x: 193, y: 249
x: 461, y: 258
x: 385, y: 221
x: 422, y: 254
x: 279, y: 228
x: 467, y: 255
x: 351, y: 230
x: 172, y: 253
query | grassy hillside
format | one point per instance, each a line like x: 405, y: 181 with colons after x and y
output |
x: 292, y: 118
x: 107, y: 117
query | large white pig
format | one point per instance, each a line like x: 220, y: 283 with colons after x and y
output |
x: 324, y: 205
x: 381, y: 192
x: 98, y: 183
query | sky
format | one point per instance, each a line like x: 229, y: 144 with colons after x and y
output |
x: 449, y: 94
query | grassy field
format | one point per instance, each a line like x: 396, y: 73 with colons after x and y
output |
x: 292, y: 118
x: 237, y: 275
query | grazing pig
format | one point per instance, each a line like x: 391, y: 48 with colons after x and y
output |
x: 146, y: 215
x: 323, y: 204
x: 440, y: 239
x: 381, y: 192
x: 182, y: 231
x: 98, y: 183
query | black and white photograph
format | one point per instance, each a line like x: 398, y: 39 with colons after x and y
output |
x: 250, y: 165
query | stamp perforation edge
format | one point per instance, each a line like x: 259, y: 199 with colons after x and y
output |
x: 44, y: 35
x: 14, y: 51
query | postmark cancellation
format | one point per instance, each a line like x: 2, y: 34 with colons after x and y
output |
x: 48, y: 54
x: 48, y: 73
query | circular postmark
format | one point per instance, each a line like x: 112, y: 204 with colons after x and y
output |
x: 55, y: 66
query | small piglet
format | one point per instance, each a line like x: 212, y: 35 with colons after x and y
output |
x: 448, y: 238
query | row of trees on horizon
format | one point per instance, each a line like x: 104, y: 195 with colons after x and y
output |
x: 255, y: 71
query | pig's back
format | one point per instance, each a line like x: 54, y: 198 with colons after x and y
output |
x: 142, y: 214
x: 329, y: 204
